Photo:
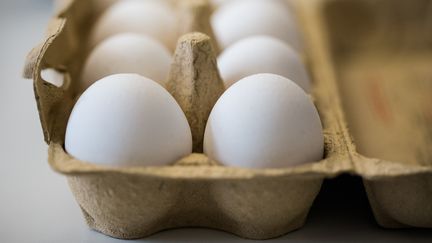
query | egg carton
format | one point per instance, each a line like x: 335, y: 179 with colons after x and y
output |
x: 370, y: 61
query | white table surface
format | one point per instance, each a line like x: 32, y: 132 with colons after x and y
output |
x: 37, y: 206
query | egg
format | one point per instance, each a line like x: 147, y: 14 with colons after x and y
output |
x: 239, y: 19
x: 264, y: 121
x: 127, y: 53
x: 151, y: 17
x: 262, y: 54
x: 127, y: 120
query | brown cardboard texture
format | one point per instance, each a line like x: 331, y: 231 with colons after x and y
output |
x: 260, y: 204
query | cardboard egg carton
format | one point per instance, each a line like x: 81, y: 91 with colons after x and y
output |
x: 370, y: 63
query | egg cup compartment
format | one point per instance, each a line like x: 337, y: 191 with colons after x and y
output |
x: 196, y: 191
x: 380, y: 54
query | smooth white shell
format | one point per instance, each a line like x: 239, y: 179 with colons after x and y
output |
x: 264, y: 121
x: 127, y: 53
x: 262, y: 54
x: 240, y: 19
x: 127, y: 120
x: 154, y: 18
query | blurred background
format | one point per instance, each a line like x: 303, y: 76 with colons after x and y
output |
x: 37, y: 206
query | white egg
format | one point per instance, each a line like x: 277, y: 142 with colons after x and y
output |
x: 239, y: 19
x: 264, y: 121
x: 127, y: 120
x: 262, y: 54
x: 150, y: 17
x: 127, y: 53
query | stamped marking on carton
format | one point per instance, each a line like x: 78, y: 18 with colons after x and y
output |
x: 387, y: 101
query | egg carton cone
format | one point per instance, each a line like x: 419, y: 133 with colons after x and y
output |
x: 370, y: 85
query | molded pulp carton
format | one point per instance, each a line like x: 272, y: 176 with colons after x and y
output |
x: 370, y: 63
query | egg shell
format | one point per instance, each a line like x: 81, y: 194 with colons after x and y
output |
x: 240, y: 19
x: 150, y: 17
x: 262, y: 54
x: 127, y: 53
x: 127, y: 120
x: 264, y: 121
